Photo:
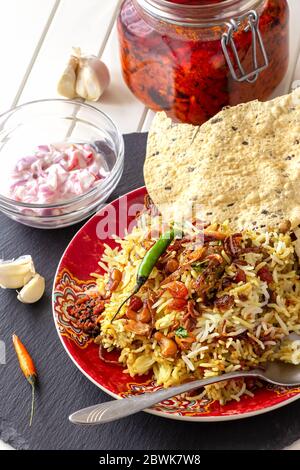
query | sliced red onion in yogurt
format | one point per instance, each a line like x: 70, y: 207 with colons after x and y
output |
x: 57, y: 173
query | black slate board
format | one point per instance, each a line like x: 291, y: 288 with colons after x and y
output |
x: 62, y: 387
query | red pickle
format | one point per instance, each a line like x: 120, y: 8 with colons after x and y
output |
x: 182, y: 69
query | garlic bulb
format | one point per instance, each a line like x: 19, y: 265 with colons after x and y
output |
x: 92, y: 79
x: 14, y: 274
x: 67, y: 83
x: 86, y: 76
x: 33, y: 290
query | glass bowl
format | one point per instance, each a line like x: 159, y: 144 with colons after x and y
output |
x: 25, y: 127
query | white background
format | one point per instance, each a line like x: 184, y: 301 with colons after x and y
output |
x: 36, y: 37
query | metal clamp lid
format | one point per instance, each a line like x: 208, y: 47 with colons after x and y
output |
x: 228, y: 42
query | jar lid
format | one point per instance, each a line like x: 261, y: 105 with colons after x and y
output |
x: 234, y: 15
x: 206, y: 14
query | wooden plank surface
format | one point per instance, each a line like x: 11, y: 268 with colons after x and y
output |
x: 296, y: 77
x: 84, y: 23
x: 88, y: 24
x: 99, y: 37
x: 125, y: 110
x: 20, y: 39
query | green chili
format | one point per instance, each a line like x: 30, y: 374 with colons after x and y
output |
x: 149, y: 261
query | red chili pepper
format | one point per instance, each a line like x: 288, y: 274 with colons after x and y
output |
x: 27, y: 367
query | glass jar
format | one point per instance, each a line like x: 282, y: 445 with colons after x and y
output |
x: 191, y: 58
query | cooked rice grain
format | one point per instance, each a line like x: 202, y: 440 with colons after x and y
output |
x: 245, y: 336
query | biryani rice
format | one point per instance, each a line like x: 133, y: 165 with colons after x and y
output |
x: 244, y: 336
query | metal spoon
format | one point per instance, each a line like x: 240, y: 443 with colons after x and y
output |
x: 277, y: 373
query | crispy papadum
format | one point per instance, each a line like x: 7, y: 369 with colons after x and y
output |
x: 243, y: 165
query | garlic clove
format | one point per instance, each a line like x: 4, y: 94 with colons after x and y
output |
x: 33, y: 290
x: 92, y: 78
x: 101, y: 73
x: 67, y: 83
x: 81, y: 83
x: 14, y: 274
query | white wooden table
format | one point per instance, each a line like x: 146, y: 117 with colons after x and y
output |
x: 36, y: 37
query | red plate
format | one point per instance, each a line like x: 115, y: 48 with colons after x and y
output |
x: 73, y: 276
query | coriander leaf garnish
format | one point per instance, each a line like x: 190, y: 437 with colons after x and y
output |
x: 181, y: 332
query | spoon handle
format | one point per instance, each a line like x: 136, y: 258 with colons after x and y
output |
x: 117, y: 409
